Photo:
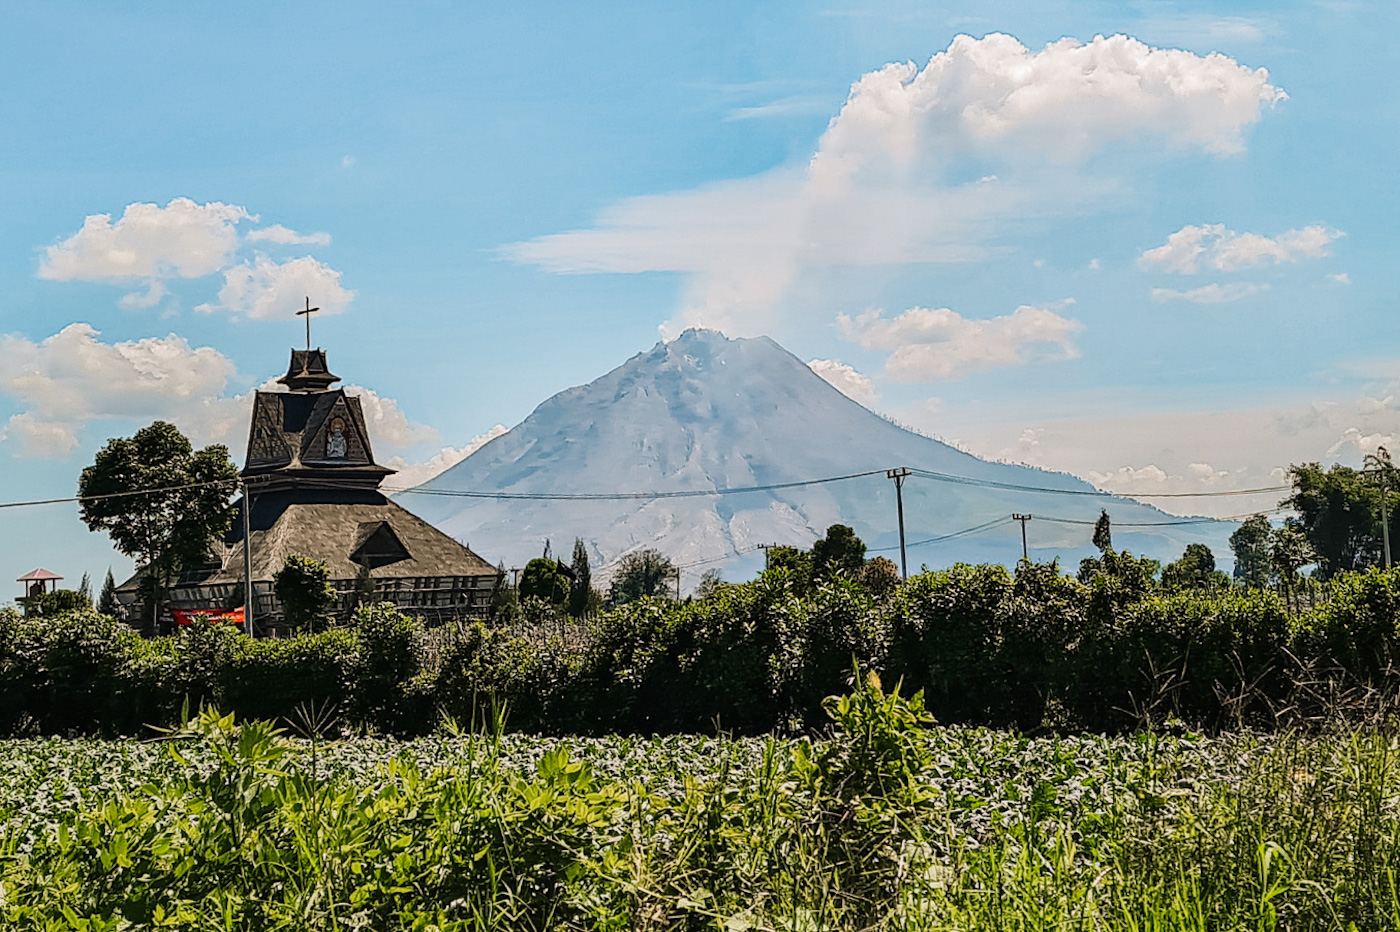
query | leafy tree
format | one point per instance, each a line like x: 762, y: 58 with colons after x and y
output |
x: 581, y: 587
x: 59, y: 602
x: 545, y: 579
x: 1250, y: 543
x: 641, y: 573
x: 840, y: 552
x: 1339, y: 512
x: 1195, y: 570
x: 107, y: 600
x: 797, y: 563
x: 182, y: 507
x: 880, y: 577
x: 710, y: 585
x: 303, y: 586
x: 1103, y: 532
x: 1290, y: 551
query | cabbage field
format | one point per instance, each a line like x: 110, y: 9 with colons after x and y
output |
x: 885, y: 822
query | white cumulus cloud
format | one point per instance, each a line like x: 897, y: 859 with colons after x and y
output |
x: 266, y: 289
x: 72, y: 378
x: 182, y: 239
x: 938, y: 344
x: 1212, y: 246
x: 851, y: 383
x: 887, y: 182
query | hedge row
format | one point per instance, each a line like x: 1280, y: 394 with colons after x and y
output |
x: 1031, y: 649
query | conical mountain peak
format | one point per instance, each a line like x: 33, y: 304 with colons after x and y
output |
x: 708, y: 414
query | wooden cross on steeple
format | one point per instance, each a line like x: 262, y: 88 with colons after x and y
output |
x: 307, y: 314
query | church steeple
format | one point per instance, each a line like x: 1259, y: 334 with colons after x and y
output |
x: 309, y: 372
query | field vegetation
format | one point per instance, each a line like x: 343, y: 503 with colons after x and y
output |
x: 1098, y: 752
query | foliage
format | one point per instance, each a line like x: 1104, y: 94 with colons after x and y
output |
x: 840, y: 552
x: 388, y: 692
x: 58, y: 602
x: 887, y: 823
x: 1339, y: 514
x: 107, y: 599
x: 303, y: 586
x: 795, y: 565
x: 710, y: 583
x: 546, y: 579
x: 1103, y: 532
x: 1250, y: 544
x: 640, y: 574
x: 1195, y: 570
x: 581, y: 582
x: 183, y: 505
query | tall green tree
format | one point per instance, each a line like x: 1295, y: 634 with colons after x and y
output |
x: 1339, y: 512
x: 1250, y: 543
x: 641, y: 573
x: 162, y: 502
x: 303, y: 586
x: 839, y: 553
x: 1195, y: 570
x: 547, y: 579
x: 1290, y: 551
x: 1103, y: 532
x: 581, y: 586
x: 107, y: 599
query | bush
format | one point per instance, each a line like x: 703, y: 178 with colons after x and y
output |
x: 388, y: 694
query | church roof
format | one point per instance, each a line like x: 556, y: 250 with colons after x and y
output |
x: 311, y: 435
x: 395, y: 542
x: 309, y: 371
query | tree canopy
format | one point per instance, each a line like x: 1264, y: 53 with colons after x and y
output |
x: 1250, y: 543
x: 303, y: 586
x: 546, y: 579
x: 1339, y: 511
x: 840, y: 552
x: 182, y: 505
x: 641, y: 573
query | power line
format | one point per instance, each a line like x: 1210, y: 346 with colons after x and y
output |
x: 93, y: 498
x: 629, y: 496
x: 993, y: 484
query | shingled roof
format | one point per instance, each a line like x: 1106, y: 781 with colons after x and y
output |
x: 334, y: 532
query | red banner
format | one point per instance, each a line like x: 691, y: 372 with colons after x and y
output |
x: 186, y: 616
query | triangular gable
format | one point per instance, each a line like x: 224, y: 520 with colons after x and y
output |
x: 378, y: 545
x: 335, y: 433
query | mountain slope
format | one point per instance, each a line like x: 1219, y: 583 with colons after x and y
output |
x: 705, y: 412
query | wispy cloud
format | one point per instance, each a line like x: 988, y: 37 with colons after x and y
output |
x: 886, y: 184
x: 1211, y: 294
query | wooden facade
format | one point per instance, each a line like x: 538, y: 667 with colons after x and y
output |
x: 314, y: 485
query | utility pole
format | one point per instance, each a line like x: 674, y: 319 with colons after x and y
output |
x: 765, y: 548
x: 1379, y: 463
x: 247, y: 559
x: 899, y: 475
x: 1025, y: 554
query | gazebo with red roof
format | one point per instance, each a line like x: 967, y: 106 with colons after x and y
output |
x: 37, y: 582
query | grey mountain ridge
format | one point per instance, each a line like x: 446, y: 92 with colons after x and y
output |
x: 704, y: 412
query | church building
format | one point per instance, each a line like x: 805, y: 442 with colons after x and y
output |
x: 314, y: 485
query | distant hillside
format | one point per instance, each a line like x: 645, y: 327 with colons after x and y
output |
x: 705, y: 412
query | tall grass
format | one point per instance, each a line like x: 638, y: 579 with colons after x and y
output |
x: 886, y: 823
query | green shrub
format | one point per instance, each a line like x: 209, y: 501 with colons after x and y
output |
x: 388, y: 695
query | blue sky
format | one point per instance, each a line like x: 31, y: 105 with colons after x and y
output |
x: 1137, y: 258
